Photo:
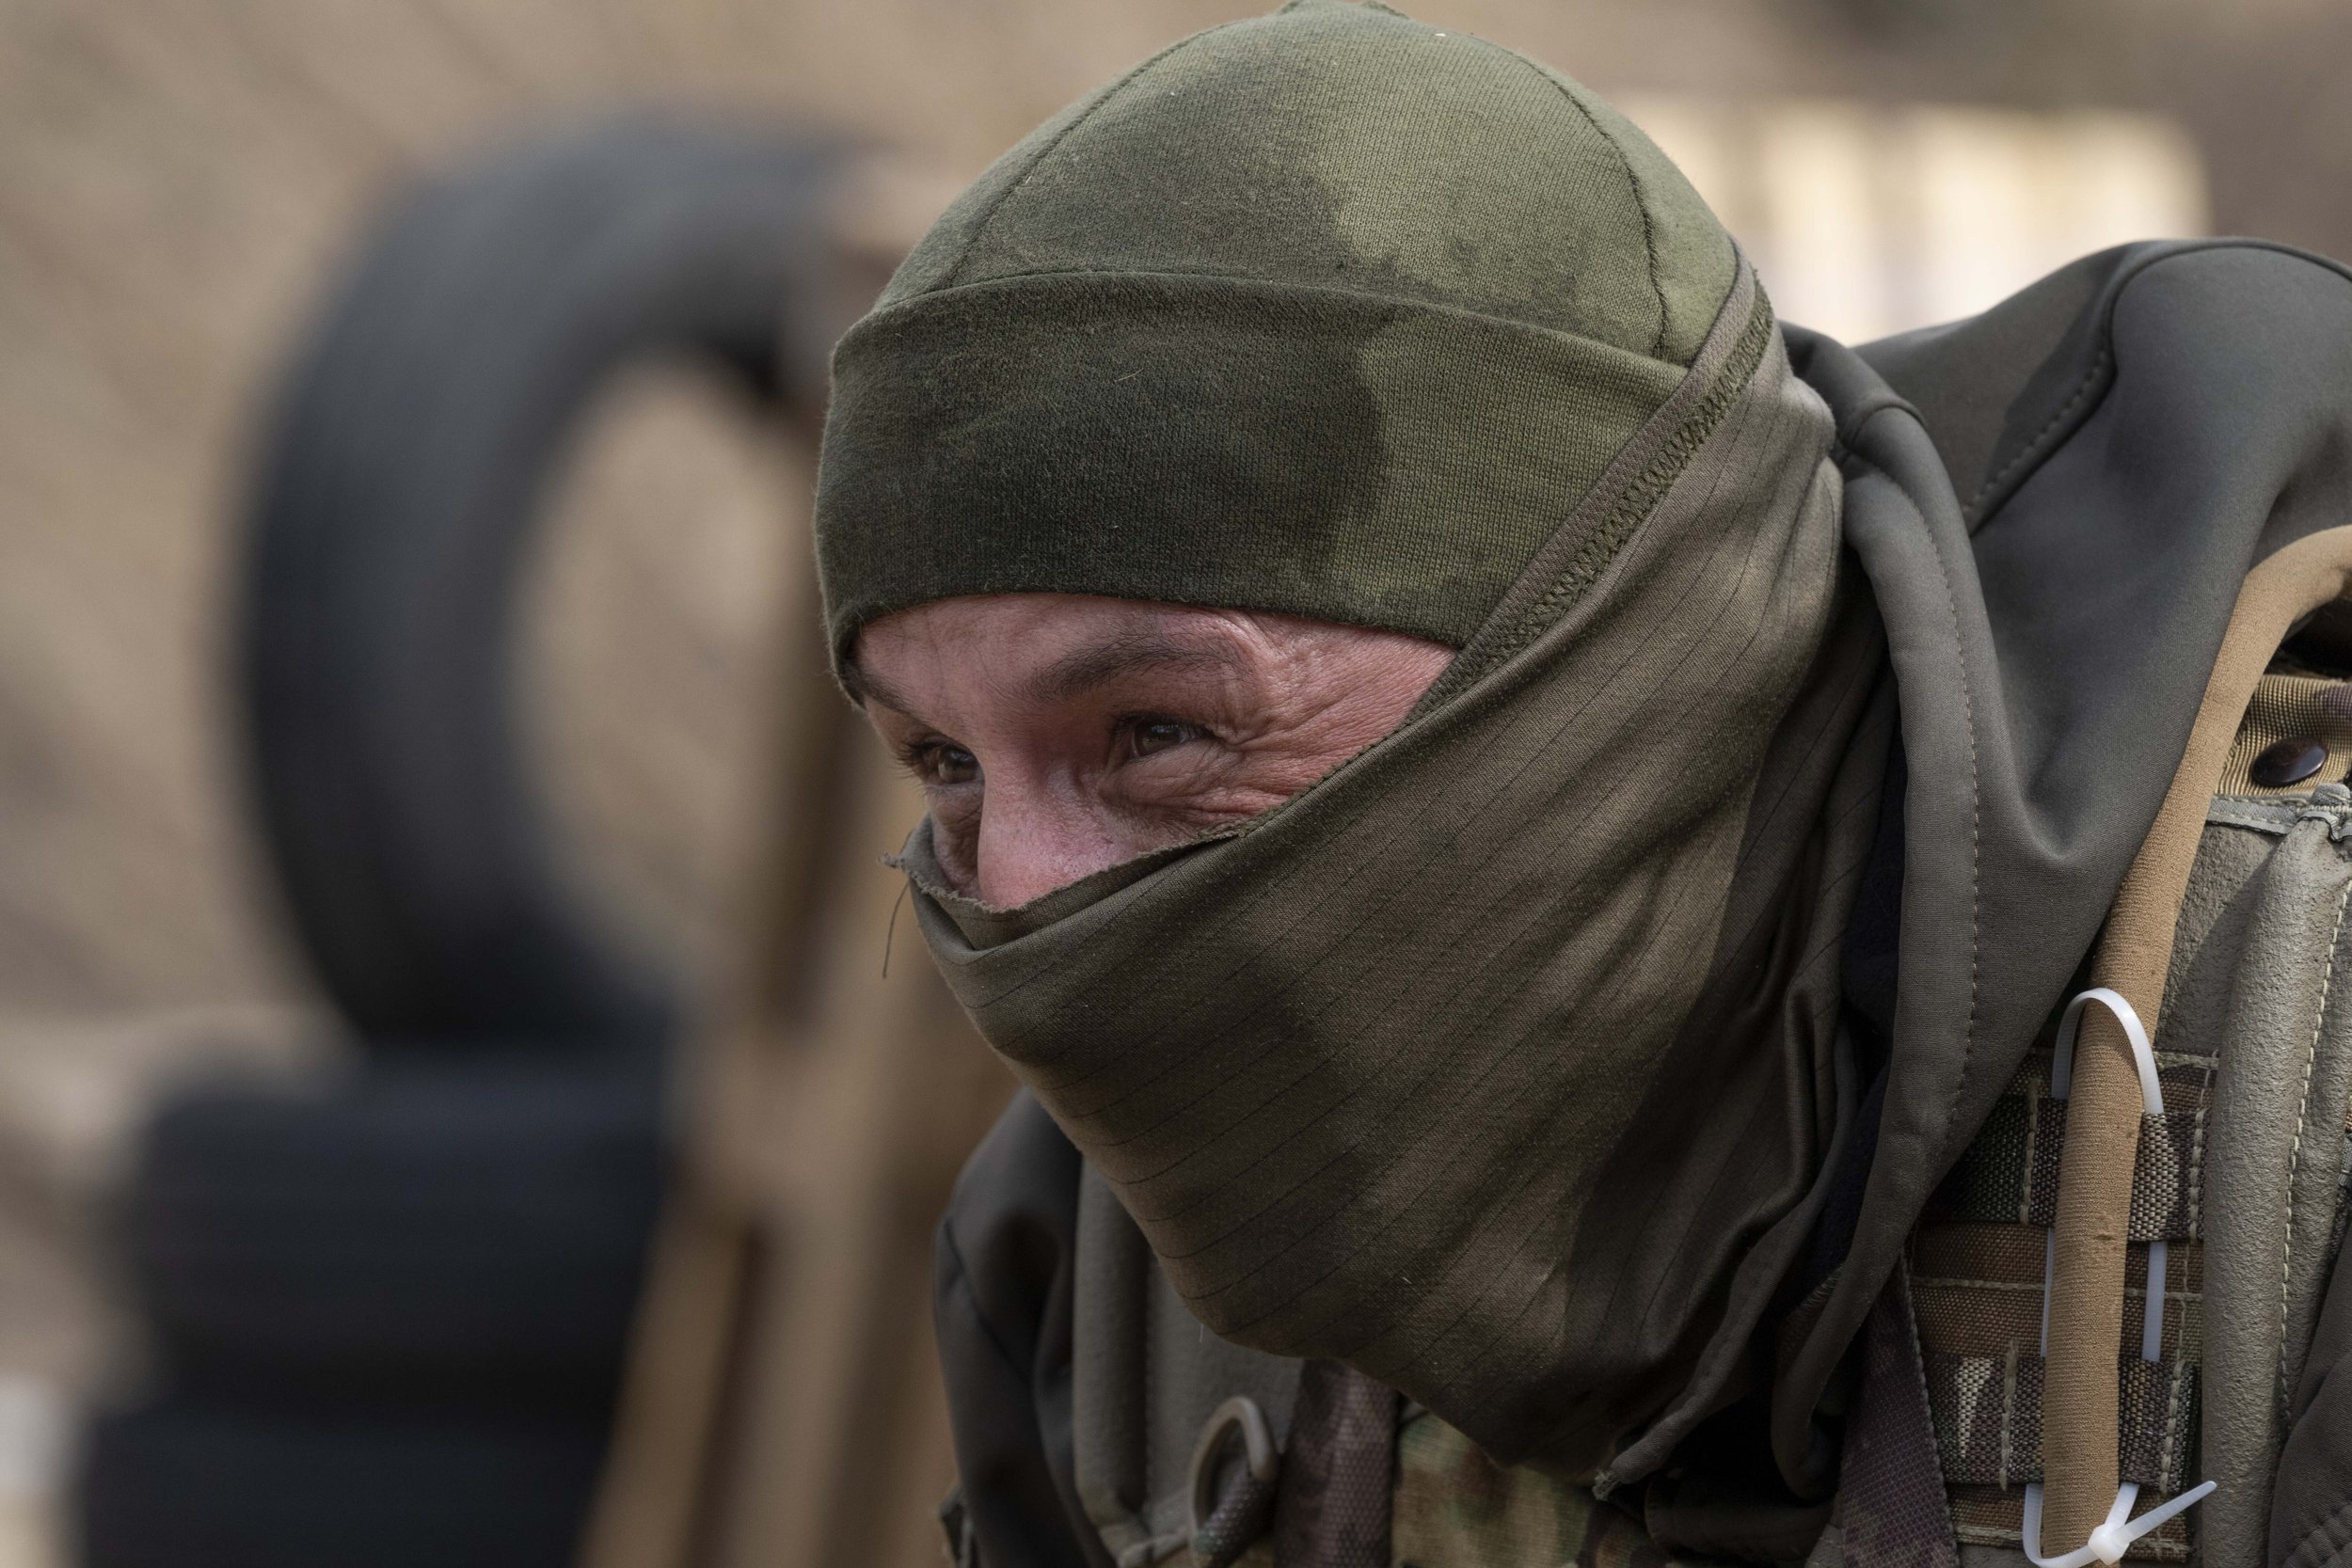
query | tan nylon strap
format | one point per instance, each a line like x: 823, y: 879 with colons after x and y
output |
x: 2081, y: 1410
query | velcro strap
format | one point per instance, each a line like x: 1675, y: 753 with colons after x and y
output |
x: 1988, y: 1419
x: 2010, y: 1173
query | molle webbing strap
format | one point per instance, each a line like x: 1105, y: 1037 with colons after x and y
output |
x: 2010, y: 1174
x: 1976, y: 1263
x: 2082, y: 1408
x: 1988, y: 1419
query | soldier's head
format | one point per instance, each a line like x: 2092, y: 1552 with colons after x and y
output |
x: 1181, y: 456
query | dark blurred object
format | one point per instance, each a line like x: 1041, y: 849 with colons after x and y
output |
x: 438, y: 1233
x: 390, y: 1316
x: 392, y: 524
x: 183, y: 1481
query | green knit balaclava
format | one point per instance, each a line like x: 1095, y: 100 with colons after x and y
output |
x: 1327, y: 312
x: 1502, y: 1064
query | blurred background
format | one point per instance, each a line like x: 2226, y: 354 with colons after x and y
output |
x: 187, y: 188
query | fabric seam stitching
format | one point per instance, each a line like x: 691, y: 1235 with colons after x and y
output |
x: 2295, y: 1148
x: 987, y: 218
x: 2166, y: 251
x: 2099, y: 365
x: 1976, y: 832
x: 1914, y: 1363
x: 1270, y: 285
x: 1633, y: 183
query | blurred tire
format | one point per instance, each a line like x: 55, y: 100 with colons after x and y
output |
x: 181, y: 1484
x: 396, y: 502
x: 467, y: 1235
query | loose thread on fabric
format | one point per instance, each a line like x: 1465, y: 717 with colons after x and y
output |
x: 890, y: 931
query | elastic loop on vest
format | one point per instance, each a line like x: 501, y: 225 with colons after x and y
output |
x: 1226, y: 1519
x: 2108, y: 1542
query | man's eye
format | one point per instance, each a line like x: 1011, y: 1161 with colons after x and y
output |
x: 949, y: 765
x: 1148, y: 733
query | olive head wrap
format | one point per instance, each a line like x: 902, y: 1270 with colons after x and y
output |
x: 1503, y: 1063
x: 1327, y: 312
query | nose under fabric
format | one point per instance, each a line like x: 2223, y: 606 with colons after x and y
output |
x: 1399, y: 1075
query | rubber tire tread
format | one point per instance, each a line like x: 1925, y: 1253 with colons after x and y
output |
x: 181, y: 1483
x: 395, y: 501
x: 417, y: 1236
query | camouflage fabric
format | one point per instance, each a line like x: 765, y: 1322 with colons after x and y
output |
x: 1327, y: 311
x: 1455, y: 1508
x: 1988, y: 1426
x: 1259, y: 1555
x: 1339, y: 1472
x: 1977, y: 1262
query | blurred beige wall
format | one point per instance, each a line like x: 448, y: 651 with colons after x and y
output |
x: 176, y: 177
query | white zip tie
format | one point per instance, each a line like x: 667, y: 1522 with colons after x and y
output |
x: 2114, y: 1536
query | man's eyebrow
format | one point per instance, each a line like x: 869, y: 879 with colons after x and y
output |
x: 1071, y: 676
x: 863, y: 687
x: 1075, y: 674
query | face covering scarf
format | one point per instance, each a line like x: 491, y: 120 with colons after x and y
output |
x: 1501, y: 1065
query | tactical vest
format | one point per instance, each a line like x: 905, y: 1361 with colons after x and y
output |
x: 2243, y: 1176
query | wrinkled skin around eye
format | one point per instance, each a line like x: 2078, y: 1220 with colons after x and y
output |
x: 1056, y: 734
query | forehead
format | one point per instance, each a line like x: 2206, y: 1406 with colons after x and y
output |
x: 1036, y: 649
